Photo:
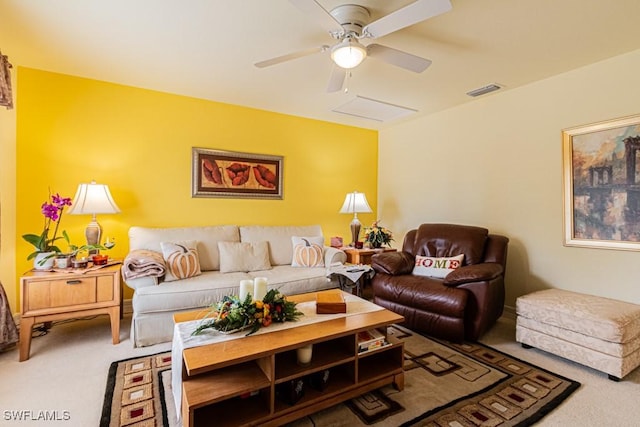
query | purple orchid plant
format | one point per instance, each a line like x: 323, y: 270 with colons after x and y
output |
x: 52, y: 211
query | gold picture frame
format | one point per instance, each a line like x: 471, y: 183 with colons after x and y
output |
x: 601, y: 173
x: 230, y: 174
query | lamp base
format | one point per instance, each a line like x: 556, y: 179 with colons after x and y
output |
x: 93, y: 233
x: 355, y: 230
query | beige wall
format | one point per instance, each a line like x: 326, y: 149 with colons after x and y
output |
x: 497, y: 162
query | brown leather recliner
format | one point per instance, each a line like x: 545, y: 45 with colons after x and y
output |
x: 464, y: 304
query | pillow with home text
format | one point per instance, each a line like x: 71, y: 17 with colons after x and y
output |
x: 436, y: 267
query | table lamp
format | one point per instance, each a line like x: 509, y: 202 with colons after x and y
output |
x: 355, y: 203
x: 93, y: 199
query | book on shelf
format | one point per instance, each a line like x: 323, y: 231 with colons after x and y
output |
x: 370, y: 340
x: 374, y: 348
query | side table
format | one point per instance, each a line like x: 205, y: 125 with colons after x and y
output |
x: 351, y: 277
x: 49, y: 296
x: 362, y: 256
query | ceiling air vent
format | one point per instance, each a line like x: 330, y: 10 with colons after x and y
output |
x: 487, y: 89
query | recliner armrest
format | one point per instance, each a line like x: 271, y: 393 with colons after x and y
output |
x: 393, y: 263
x: 474, y: 273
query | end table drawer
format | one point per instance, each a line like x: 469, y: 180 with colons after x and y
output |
x: 61, y: 293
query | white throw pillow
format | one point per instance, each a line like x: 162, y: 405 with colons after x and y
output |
x: 436, y: 267
x: 181, y: 259
x: 243, y: 256
x: 308, y: 251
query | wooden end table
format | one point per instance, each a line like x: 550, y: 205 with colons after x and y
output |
x: 49, y: 296
x: 363, y: 256
x: 352, y: 277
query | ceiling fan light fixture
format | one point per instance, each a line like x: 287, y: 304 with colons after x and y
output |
x: 348, y: 54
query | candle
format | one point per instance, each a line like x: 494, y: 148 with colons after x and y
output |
x: 304, y: 355
x: 246, y: 287
x: 259, y: 288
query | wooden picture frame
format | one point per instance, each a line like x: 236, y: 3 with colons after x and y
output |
x: 601, y: 164
x: 218, y: 173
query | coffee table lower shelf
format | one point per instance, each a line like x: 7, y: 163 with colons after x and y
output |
x: 223, y: 396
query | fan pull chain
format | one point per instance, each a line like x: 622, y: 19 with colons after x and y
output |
x: 346, y: 83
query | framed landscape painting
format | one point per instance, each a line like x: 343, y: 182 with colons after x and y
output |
x: 602, y: 184
x: 217, y: 173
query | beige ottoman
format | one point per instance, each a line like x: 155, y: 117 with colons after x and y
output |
x: 598, y: 332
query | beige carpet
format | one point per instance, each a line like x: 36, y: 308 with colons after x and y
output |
x: 445, y: 384
x: 69, y: 366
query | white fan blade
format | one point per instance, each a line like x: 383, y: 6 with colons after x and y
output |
x: 320, y: 14
x: 408, y: 15
x: 336, y: 80
x: 290, y: 56
x: 398, y: 58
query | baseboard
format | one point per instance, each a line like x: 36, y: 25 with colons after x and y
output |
x: 509, y: 312
x: 127, y: 307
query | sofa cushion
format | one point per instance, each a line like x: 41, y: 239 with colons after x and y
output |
x: 436, y: 267
x: 207, y: 237
x: 181, y: 260
x: 192, y: 293
x: 279, y: 239
x: 295, y: 280
x: 307, y: 251
x: 243, y: 256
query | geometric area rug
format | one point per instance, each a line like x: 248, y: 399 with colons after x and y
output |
x: 445, y: 384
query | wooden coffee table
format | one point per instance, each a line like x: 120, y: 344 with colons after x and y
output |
x: 235, y: 382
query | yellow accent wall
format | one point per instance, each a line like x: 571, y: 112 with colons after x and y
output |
x: 72, y: 130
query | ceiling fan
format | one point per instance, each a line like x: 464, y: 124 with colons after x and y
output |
x: 349, y: 24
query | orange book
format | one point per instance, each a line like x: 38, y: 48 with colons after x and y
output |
x: 330, y: 302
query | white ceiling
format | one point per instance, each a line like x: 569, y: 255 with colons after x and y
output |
x: 206, y: 48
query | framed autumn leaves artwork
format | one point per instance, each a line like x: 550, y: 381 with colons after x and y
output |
x: 219, y: 173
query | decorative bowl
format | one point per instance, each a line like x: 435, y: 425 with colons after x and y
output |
x: 100, y: 259
x: 79, y: 263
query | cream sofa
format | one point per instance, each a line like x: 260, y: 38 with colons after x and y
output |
x: 155, y: 301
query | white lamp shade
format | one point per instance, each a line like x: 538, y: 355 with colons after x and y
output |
x: 93, y: 199
x: 348, y: 54
x: 355, y: 203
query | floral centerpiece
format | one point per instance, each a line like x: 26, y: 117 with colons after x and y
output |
x: 377, y: 235
x: 232, y: 315
x: 52, y: 211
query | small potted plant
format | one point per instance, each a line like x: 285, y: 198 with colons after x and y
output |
x: 88, y: 252
x: 63, y: 260
x: 377, y: 235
